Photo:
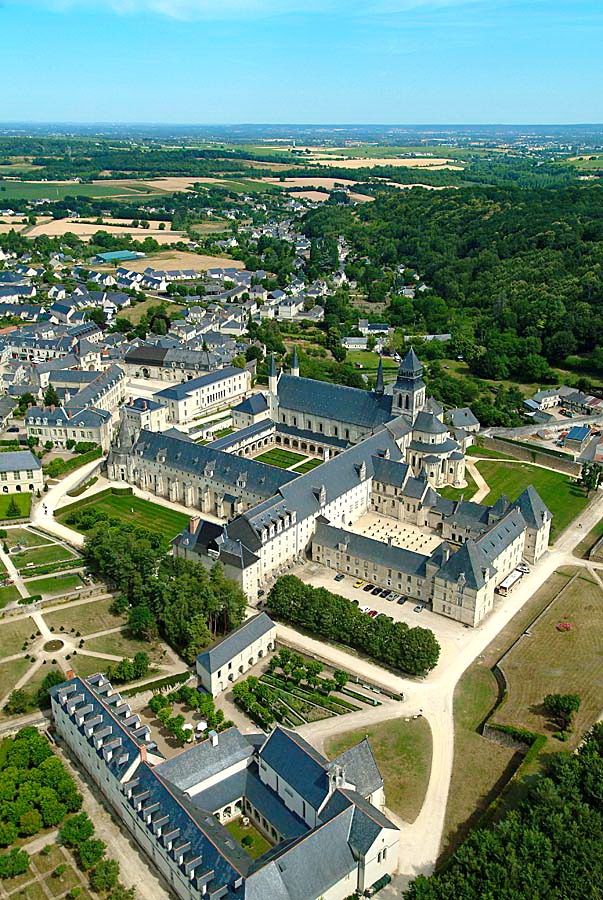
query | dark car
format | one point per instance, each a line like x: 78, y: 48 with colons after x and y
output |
x: 385, y: 592
x: 12, y: 430
x: 368, y: 587
x: 339, y: 577
x: 376, y: 591
x: 401, y: 600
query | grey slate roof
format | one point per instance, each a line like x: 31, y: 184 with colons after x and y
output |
x: 471, y: 563
x: 234, y: 643
x: 361, y: 768
x: 179, y: 391
x: 390, y: 471
x: 252, y: 405
x: 333, y: 401
x: 298, y: 763
x: 429, y: 424
x: 398, y: 558
x: 19, y: 460
x: 533, y: 508
x: 201, y: 761
x: 462, y: 417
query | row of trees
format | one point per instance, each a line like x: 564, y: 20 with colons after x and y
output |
x: 177, y: 599
x: 413, y: 650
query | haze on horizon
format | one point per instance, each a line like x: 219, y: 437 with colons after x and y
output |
x: 306, y: 61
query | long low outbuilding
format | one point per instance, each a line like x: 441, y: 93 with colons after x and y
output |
x: 236, y: 653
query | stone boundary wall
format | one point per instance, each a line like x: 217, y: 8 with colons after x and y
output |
x: 566, y: 466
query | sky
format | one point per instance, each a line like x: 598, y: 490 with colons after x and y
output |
x: 302, y: 61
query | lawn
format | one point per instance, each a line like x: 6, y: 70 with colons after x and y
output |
x: 588, y: 541
x: 23, y: 502
x: 402, y: 749
x: 283, y: 459
x: 89, y: 665
x: 40, y: 556
x: 478, y: 763
x: 135, y: 313
x: 259, y: 844
x: 476, y: 450
x: 119, y: 644
x: 475, y: 696
x: 8, y: 594
x: 12, y: 634
x: 548, y: 661
x: 159, y: 519
x: 453, y: 493
x: 25, y: 538
x: 11, y: 672
x: 54, y: 584
x: 307, y: 466
x: 564, y: 498
x: 369, y: 360
x: 88, y: 618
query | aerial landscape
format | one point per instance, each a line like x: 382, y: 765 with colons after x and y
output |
x: 301, y: 450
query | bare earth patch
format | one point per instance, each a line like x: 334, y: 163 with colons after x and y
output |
x: 310, y: 182
x: 180, y: 259
x: 85, y: 230
x: 399, y: 162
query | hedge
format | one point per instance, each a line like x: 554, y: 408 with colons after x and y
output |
x: 64, y: 466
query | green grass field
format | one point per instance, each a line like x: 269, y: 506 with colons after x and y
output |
x: 54, y: 585
x: 25, y: 538
x: 31, y: 190
x: 8, y: 595
x: 283, y: 459
x: 11, y: 672
x: 564, y: 498
x: 23, y: 501
x: 486, y: 453
x: 307, y: 466
x: 258, y: 845
x: 402, y: 749
x: 120, y: 644
x: 158, y: 519
x: 467, y: 493
x: 87, y: 618
x: 12, y: 634
x: 40, y: 556
x: 370, y: 363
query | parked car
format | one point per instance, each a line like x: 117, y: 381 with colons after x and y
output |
x: 391, y: 596
x: 376, y: 590
x: 358, y: 584
x: 418, y: 608
x: 523, y: 567
x: 368, y: 587
x: 385, y: 592
x: 339, y: 577
x: 373, y: 613
x: 355, y: 602
x: 365, y: 609
x: 12, y: 430
x: 401, y: 600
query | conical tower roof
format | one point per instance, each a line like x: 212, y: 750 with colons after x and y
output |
x: 272, y: 372
x: 295, y: 363
x: 411, y: 366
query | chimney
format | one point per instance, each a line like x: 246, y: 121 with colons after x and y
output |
x: 143, y: 752
x: 144, y: 404
x: 29, y: 405
x: 213, y: 736
x: 52, y: 407
x: 69, y: 674
x: 193, y: 524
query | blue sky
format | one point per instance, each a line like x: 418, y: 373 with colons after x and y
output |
x: 302, y: 61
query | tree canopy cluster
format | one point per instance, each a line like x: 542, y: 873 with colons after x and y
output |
x: 413, y: 650
x: 549, y: 848
x: 181, y: 600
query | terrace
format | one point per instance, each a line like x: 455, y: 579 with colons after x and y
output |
x: 401, y: 534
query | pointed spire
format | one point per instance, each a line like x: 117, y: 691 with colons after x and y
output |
x: 379, y: 385
x: 272, y: 372
x: 410, y: 367
x: 295, y: 363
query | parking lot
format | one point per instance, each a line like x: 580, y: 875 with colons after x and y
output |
x: 451, y: 635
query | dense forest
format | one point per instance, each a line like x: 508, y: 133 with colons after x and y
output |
x: 516, y: 274
x: 549, y: 848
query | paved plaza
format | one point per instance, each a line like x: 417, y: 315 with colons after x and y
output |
x: 402, y: 534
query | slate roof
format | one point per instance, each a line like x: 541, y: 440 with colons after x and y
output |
x: 503, y: 533
x: 19, y: 460
x: 194, y: 458
x: 234, y: 643
x: 180, y: 391
x: 532, y: 507
x: 333, y: 401
x: 390, y: 471
x: 361, y: 768
x: 252, y: 405
x: 301, y: 766
x: 141, y: 404
x: 202, y: 761
x: 427, y: 423
x: 83, y: 418
x: 398, y: 558
x: 462, y: 417
x: 471, y: 562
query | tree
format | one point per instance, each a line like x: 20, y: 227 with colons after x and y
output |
x: 30, y: 822
x: 142, y: 623
x: 562, y: 708
x: 19, y: 702
x: 76, y: 830
x: 591, y: 477
x: 90, y: 852
x: 53, y: 678
x: 51, y: 398
x: 104, y: 876
x: 13, y: 510
x: 340, y: 678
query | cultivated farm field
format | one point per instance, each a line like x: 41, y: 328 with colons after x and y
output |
x: 180, y: 259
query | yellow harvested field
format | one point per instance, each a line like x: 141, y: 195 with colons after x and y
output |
x: 14, y: 226
x: 108, y: 220
x: 431, y: 162
x: 176, y: 183
x: 310, y: 182
x: 310, y: 195
x: 178, y: 259
x: 361, y: 198
x: 85, y: 230
x: 428, y: 187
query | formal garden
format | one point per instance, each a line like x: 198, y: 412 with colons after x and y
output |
x: 293, y: 691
